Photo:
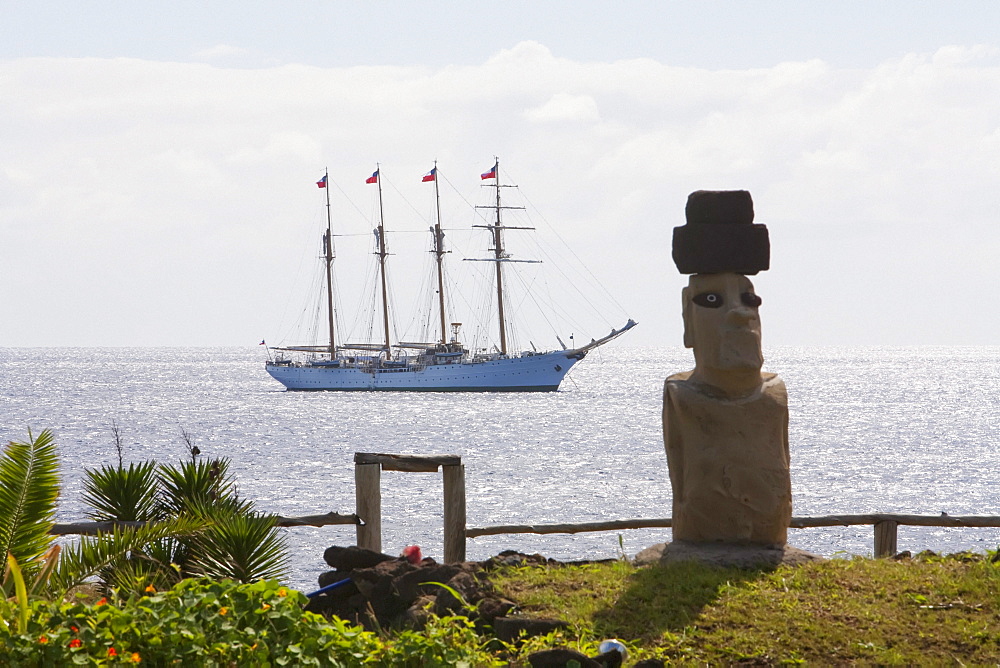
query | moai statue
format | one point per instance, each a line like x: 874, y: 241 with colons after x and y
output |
x: 725, y: 424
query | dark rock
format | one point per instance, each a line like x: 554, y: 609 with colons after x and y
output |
x: 510, y: 629
x: 330, y: 577
x: 410, y: 584
x: 512, y: 558
x: 491, y: 607
x: 466, y: 586
x: 351, y: 608
x: 610, y: 659
x: 335, y: 577
x: 349, y: 558
x: 650, y: 555
x: 419, y: 612
x: 560, y: 658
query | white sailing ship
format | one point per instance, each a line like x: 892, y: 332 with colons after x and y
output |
x: 444, y: 365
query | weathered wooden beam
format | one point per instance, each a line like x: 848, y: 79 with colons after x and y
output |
x: 454, y: 513
x: 326, y: 519
x: 912, y: 520
x: 613, y: 525
x: 795, y: 523
x: 408, y: 463
x: 93, y: 528
x: 885, y: 538
x: 368, y: 505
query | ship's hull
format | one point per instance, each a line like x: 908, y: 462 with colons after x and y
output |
x: 528, y: 373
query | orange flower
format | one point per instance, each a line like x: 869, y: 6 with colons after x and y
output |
x: 135, y: 658
x: 103, y: 601
x: 265, y: 606
x: 74, y: 629
x: 282, y: 592
x: 43, y: 640
x: 112, y: 651
x: 75, y: 642
x: 150, y: 589
x: 223, y: 610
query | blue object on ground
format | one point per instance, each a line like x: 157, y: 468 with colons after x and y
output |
x: 329, y: 587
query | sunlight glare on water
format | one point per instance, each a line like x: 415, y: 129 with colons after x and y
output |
x: 906, y: 430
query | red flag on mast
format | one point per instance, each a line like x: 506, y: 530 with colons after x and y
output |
x: 373, y: 178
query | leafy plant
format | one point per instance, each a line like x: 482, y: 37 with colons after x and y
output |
x: 29, y: 488
x: 198, y: 484
x: 206, y: 623
x: 123, y: 494
x: 240, y: 545
x: 234, y: 540
x: 121, y: 557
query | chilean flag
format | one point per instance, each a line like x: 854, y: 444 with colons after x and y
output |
x: 430, y: 176
x: 492, y: 174
x: 322, y: 182
x: 373, y: 178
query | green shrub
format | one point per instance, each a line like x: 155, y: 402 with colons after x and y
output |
x: 202, y: 623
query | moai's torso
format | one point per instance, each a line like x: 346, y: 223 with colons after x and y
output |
x: 728, y: 461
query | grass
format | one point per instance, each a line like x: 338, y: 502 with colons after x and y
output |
x: 928, y: 611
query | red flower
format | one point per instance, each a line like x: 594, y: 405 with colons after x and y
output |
x: 75, y: 642
x: 74, y: 629
x: 43, y: 639
x: 103, y: 601
x: 112, y: 652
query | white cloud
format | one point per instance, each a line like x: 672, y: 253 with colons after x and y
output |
x: 563, y: 107
x: 166, y: 203
x: 220, y: 51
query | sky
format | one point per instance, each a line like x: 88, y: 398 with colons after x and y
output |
x: 158, y: 161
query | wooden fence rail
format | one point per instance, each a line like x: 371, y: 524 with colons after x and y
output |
x: 93, y: 528
x: 368, y: 512
x: 885, y: 525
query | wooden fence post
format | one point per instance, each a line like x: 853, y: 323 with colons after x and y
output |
x: 368, y: 505
x: 454, y: 513
x: 885, y: 538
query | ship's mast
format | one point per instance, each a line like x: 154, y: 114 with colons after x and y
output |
x: 382, y: 254
x: 329, y: 255
x: 439, y: 252
x: 499, y: 254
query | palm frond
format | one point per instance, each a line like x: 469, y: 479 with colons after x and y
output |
x: 29, y: 489
x: 94, y: 555
x: 190, y: 483
x: 124, y: 494
x: 244, y: 547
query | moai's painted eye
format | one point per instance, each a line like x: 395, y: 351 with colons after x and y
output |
x: 750, y: 299
x: 708, y: 299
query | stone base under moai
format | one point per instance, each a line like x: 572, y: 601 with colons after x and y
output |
x: 725, y: 555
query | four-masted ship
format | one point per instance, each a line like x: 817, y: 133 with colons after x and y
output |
x: 445, y: 365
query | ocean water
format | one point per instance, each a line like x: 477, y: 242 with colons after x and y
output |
x: 905, y: 430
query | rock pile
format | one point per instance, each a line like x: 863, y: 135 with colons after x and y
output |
x: 392, y: 592
x: 385, y: 591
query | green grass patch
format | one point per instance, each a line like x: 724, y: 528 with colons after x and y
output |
x: 927, y: 611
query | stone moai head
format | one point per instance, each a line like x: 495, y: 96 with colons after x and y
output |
x: 720, y: 245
